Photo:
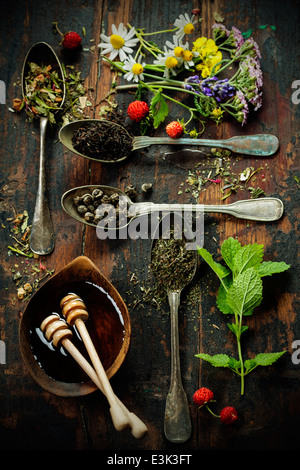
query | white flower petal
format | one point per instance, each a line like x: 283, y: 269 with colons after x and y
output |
x: 105, y: 38
x: 114, y: 29
x: 130, y: 34
x: 122, y: 54
x: 122, y: 30
x: 128, y: 76
x: 107, y: 50
x: 127, y: 49
x: 114, y: 54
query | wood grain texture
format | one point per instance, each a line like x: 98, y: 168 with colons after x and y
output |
x: 32, y: 419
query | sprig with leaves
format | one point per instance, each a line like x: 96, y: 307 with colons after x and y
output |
x: 240, y: 292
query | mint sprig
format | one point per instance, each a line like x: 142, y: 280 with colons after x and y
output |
x: 240, y: 292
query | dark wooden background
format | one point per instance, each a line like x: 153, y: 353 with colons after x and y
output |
x: 269, y: 413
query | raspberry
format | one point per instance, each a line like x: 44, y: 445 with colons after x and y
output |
x: 174, y: 129
x: 228, y: 415
x: 71, y: 40
x: 202, y: 396
x: 137, y: 110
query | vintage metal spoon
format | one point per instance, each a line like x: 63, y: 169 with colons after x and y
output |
x: 267, y: 209
x: 42, y: 236
x: 259, y: 145
x: 177, y: 420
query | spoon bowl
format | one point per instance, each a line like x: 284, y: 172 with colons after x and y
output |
x: 42, y: 237
x: 259, y: 144
x: 67, y: 132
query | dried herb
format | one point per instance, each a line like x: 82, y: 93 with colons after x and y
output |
x: 25, y: 271
x: 43, y: 93
x: 172, y: 264
x: 103, y: 141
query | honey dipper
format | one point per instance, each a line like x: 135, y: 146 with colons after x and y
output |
x: 57, y: 331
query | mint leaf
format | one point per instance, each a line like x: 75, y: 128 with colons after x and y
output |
x: 262, y: 359
x: 267, y: 359
x: 222, y: 301
x: 158, y: 109
x: 219, y: 360
x: 235, y: 328
x: 245, y: 293
x: 220, y: 270
x: 229, y: 249
x: 267, y: 268
x: 248, y: 256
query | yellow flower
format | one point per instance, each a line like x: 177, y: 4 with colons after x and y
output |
x: 209, y: 53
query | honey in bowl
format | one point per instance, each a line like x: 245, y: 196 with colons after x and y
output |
x: 105, y: 325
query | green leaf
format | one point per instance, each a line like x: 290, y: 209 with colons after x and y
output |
x: 235, y: 329
x: 267, y: 268
x: 158, y: 109
x: 222, y: 301
x: 245, y: 293
x: 220, y: 270
x: 248, y: 256
x: 247, y: 33
x: 219, y: 360
x: 229, y: 249
x: 267, y: 359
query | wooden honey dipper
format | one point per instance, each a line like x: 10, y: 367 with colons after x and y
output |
x: 57, y: 331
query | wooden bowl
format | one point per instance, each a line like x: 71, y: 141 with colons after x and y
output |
x: 108, y: 325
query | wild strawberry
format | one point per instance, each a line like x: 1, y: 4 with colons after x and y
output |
x: 202, y: 395
x: 71, y: 40
x: 174, y: 129
x: 137, y: 110
x: 228, y: 415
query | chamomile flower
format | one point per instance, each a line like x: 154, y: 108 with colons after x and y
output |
x: 134, y: 69
x: 177, y: 47
x: 185, y: 25
x: 120, y: 43
x: 169, y: 62
x: 181, y: 52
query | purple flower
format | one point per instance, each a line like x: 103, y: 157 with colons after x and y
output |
x: 237, y: 37
x: 218, y: 89
x: 219, y: 31
x: 249, y: 47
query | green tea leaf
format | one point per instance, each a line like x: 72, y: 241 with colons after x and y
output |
x: 245, y: 293
x: 267, y: 268
x: 158, y: 109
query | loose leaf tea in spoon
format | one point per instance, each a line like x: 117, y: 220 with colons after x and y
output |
x: 102, y: 140
x: 172, y: 264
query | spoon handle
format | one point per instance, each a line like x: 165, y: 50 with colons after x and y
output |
x: 259, y: 144
x: 42, y: 238
x: 266, y: 209
x: 177, y: 422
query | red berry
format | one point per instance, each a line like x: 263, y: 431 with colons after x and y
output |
x: 137, y: 110
x: 228, y: 415
x: 202, y: 396
x: 71, y: 40
x: 174, y: 129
